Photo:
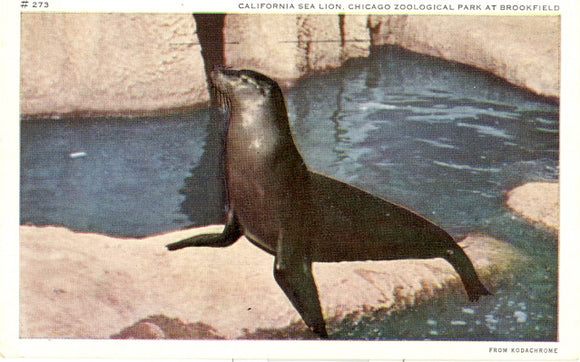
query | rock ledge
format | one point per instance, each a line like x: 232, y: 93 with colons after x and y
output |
x: 81, y: 285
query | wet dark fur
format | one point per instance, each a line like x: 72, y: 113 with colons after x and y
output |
x: 300, y: 216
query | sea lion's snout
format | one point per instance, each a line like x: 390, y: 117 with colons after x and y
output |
x: 215, y: 73
x: 219, y: 77
x: 245, y: 81
x: 222, y: 77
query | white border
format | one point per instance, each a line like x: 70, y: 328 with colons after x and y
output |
x: 313, y: 6
x: 11, y: 345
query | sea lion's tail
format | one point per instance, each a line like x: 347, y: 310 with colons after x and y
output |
x: 460, y: 261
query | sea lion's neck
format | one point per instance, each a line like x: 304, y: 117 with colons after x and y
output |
x: 262, y: 121
x: 260, y: 131
x: 263, y: 113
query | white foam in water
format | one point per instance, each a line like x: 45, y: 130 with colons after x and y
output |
x: 77, y: 154
x: 521, y: 317
x: 434, y: 143
x: 458, y: 323
x: 486, y: 130
x: 376, y: 105
x: 466, y: 167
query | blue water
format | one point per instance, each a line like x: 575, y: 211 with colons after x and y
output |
x: 441, y: 138
x: 130, y: 180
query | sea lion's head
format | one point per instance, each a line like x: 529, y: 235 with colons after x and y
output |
x: 241, y: 86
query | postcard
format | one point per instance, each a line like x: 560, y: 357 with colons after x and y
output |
x: 280, y: 180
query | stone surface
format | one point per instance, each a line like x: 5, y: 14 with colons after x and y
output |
x: 357, y: 37
x: 265, y: 42
x: 287, y: 46
x: 538, y: 202
x: 319, y: 42
x: 162, y: 327
x: 524, y: 50
x: 81, y: 285
x: 95, y: 63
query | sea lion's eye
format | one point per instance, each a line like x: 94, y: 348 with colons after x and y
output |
x: 244, y: 79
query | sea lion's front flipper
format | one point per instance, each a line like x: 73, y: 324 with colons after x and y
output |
x: 293, y: 272
x: 232, y: 232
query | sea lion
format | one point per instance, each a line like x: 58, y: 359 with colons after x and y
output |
x: 301, y: 216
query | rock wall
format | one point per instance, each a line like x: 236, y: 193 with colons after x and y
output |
x: 268, y: 52
x: 524, y: 50
x: 134, y: 63
x: 289, y: 46
x: 109, y: 63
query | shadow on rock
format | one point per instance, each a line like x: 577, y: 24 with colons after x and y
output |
x: 162, y: 327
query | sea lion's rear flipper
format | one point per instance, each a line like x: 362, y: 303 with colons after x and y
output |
x: 293, y: 272
x: 232, y: 232
x: 460, y: 261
